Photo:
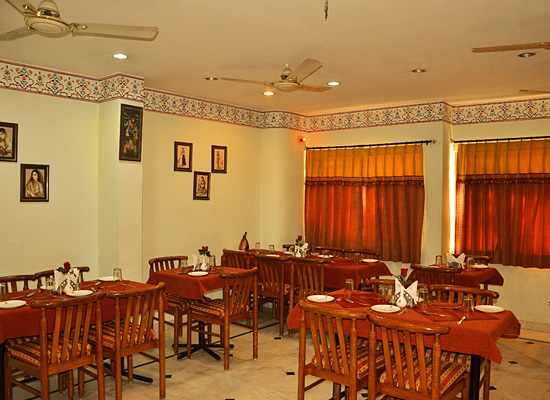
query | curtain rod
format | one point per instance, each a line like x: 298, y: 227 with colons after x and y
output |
x: 500, y: 139
x: 373, y: 145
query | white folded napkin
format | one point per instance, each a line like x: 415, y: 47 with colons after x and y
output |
x: 452, y: 259
x: 66, y: 282
x: 200, y: 263
x: 300, y: 251
x: 405, y: 296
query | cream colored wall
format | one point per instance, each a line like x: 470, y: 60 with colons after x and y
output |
x: 62, y: 134
x: 174, y: 223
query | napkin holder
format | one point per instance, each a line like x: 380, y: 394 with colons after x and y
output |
x: 406, y: 297
x: 455, y: 262
x: 200, y: 263
x: 66, y: 282
x: 300, y: 251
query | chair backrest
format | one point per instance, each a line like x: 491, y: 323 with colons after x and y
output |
x: 134, y: 315
x: 307, y: 276
x: 454, y: 294
x: 71, y: 320
x: 434, y: 275
x: 331, y: 329
x: 271, y: 274
x: 164, y: 263
x: 403, y: 343
x: 483, y: 260
x: 41, y: 276
x: 359, y: 254
x: 17, y: 283
x: 329, y: 250
x: 236, y: 259
x: 240, y: 287
x: 374, y: 285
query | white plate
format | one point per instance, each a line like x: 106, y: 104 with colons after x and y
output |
x: 385, y: 308
x: 320, y: 298
x: 369, y: 260
x: 106, y: 278
x: 197, y: 273
x: 480, y: 266
x: 80, y: 293
x: 272, y: 255
x: 289, y: 253
x: 12, y: 303
x: 325, y: 256
x: 489, y: 309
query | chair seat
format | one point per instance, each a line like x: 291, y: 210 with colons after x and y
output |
x: 362, y: 359
x: 210, y: 307
x: 29, y: 351
x: 108, y: 330
x: 448, y: 356
x: 450, y: 372
x: 177, y: 301
x: 21, y: 340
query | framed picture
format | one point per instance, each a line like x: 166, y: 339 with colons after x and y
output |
x: 35, y: 180
x: 8, y: 141
x: 219, y: 159
x: 131, y: 119
x: 183, y: 156
x: 201, y: 186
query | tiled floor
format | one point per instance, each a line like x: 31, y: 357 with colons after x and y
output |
x: 523, y: 374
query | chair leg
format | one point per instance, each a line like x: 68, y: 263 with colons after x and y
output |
x: 487, y: 380
x: 177, y: 329
x: 226, y: 346
x: 130, y: 362
x: 70, y: 384
x: 189, y: 324
x: 118, y: 378
x: 8, y: 389
x: 80, y: 382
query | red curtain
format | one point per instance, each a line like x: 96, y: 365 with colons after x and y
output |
x: 366, y: 198
x: 503, y: 202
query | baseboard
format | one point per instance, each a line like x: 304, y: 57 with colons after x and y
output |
x: 535, y: 326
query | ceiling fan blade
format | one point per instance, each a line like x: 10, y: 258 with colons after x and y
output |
x: 305, y: 69
x: 17, y: 33
x: 310, y: 88
x: 246, y: 81
x: 510, y: 47
x: 117, y: 31
x: 23, y: 6
x: 530, y: 91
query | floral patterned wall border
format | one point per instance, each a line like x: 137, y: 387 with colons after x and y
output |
x: 33, y: 79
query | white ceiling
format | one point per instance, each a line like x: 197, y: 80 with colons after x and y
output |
x: 370, y: 46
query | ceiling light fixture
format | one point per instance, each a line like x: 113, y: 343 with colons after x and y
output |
x: 211, y: 78
x: 268, y: 93
x: 333, y: 83
x: 418, y: 70
x: 120, y: 56
x: 527, y: 54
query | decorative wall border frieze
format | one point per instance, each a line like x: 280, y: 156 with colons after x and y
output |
x: 26, y: 78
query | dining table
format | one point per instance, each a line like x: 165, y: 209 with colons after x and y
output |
x: 475, y: 336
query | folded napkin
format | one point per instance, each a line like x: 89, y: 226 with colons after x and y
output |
x: 66, y: 282
x: 456, y: 262
x: 300, y: 251
x: 405, y: 296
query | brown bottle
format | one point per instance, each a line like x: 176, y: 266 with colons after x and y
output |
x: 244, y: 243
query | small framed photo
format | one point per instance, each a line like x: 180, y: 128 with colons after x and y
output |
x: 35, y: 181
x: 201, y: 186
x: 8, y: 141
x: 131, y: 120
x: 219, y: 159
x: 183, y: 156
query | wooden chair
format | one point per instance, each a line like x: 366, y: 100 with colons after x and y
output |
x: 483, y: 260
x: 17, y: 283
x: 238, y: 290
x: 40, y: 277
x: 236, y: 259
x: 71, y: 338
x: 454, y: 295
x: 412, y: 370
x: 434, y: 275
x: 329, y: 250
x: 271, y: 285
x: 374, y: 285
x: 132, y: 332
x: 177, y: 305
x: 338, y: 356
x: 359, y: 254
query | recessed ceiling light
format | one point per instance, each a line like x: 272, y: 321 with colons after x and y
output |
x: 333, y: 83
x: 120, y: 56
x: 211, y: 78
x: 418, y: 70
x: 268, y: 93
x: 527, y: 54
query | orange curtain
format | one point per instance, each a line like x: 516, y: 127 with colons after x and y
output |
x: 366, y: 198
x: 503, y: 201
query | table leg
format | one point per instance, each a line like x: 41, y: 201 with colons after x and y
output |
x: 202, y: 345
x: 475, y: 366
x: 137, y: 377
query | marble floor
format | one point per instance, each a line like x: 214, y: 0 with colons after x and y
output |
x: 523, y: 374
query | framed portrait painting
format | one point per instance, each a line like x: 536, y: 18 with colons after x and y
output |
x: 131, y: 120
x: 8, y: 141
x: 183, y: 156
x: 219, y: 159
x: 201, y: 186
x: 35, y: 182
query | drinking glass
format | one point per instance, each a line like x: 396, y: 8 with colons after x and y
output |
x: 271, y: 248
x: 183, y: 265
x: 117, y: 274
x: 3, y: 292
x: 467, y: 306
x: 423, y: 298
x: 50, y: 285
x: 349, y: 288
x: 212, y: 261
x: 357, y: 257
x: 383, y: 292
x: 257, y: 246
x: 79, y: 282
x: 438, y: 259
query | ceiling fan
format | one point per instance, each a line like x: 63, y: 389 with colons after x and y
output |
x: 291, y: 80
x: 510, y: 47
x: 46, y: 20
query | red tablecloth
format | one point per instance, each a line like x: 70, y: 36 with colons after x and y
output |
x: 474, y: 277
x: 477, y: 336
x: 23, y: 321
